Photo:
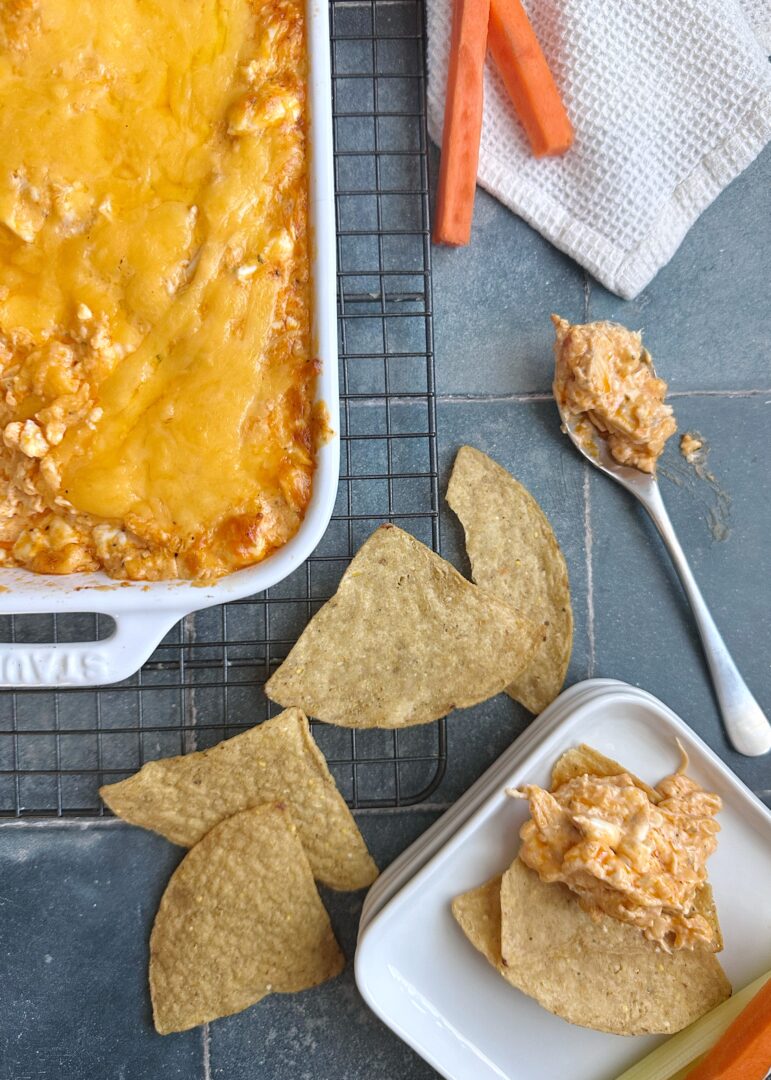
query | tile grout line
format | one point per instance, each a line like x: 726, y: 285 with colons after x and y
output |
x: 588, y: 549
x: 206, y: 1046
x: 752, y: 392
x: 543, y: 395
x: 61, y: 823
x: 465, y: 399
x: 84, y: 824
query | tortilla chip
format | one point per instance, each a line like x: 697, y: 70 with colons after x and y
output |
x: 515, y: 554
x: 478, y: 913
x: 240, y: 918
x: 704, y: 904
x: 599, y: 973
x: 404, y: 640
x: 182, y: 798
x: 583, y: 760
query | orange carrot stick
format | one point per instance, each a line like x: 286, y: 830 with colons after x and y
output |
x: 529, y: 82
x: 743, y: 1052
x: 462, y: 122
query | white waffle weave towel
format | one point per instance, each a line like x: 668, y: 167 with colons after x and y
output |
x: 670, y: 100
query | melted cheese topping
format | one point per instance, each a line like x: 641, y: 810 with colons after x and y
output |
x: 156, y: 384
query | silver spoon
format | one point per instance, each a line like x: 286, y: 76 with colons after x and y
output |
x: 747, y: 726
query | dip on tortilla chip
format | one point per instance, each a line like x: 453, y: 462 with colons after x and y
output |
x: 637, y: 858
x: 590, y: 969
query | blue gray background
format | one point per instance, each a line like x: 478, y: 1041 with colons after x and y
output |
x: 77, y: 898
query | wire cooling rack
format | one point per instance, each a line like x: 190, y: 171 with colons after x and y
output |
x: 205, y: 681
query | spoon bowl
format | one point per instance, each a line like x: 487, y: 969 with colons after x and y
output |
x: 595, y: 449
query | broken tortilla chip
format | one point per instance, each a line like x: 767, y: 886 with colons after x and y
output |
x: 514, y: 553
x: 599, y: 972
x: 478, y: 913
x: 584, y: 760
x: 182, y: 798
x: 240, y: 918
x: 404, y: 640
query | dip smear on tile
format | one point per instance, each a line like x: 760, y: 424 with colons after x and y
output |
x: 604, y: 377
x: 156, y: 381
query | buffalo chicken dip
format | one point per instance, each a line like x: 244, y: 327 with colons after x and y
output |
x: 604, y: 378
x: 156, y: 379
x: 635, y: 853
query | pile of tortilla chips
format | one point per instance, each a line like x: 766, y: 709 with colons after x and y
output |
x: 406, y: 639
x: 596, y: 972
x: 241, y: 916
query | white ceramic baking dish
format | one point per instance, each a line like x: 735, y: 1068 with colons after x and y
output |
x: 144, y: 612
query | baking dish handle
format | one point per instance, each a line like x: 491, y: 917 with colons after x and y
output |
x: 86, y: 663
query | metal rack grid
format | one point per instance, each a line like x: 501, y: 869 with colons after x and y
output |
x: 205, y: 680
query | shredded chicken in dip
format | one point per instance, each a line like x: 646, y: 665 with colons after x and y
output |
x: 604, y: 377
x: 623, y: 854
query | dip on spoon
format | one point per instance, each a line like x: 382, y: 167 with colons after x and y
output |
x: 604, y: 379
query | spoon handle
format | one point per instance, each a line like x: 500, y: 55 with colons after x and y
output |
x: 747, y: 726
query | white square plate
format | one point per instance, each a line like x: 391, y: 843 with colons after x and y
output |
x: 418, y: 972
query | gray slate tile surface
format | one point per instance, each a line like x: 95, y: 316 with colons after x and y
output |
x: 76, y: 909
x: 492, y: 301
